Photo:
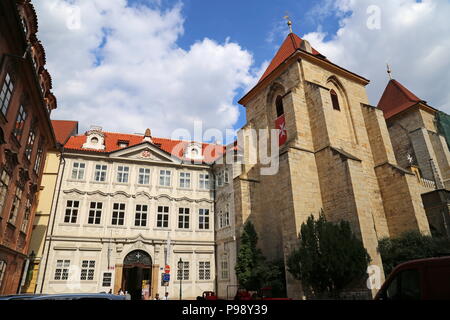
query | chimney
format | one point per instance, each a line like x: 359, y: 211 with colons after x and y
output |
x: 305, y: 46
x: 148, y: 136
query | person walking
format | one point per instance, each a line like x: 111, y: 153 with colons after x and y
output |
x: 166, y: 296
x: 121, y: 293
x: 157, y: 297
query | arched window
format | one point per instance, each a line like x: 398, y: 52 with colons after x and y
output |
x: 335, y: 100
x: 279, y: 106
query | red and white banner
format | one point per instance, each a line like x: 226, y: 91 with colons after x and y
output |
x: 280, y: 124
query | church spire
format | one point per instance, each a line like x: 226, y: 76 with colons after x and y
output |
x: 389, y: 71
x: 289, y: 22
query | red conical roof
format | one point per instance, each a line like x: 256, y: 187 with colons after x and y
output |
x: 396, y: 98
x: 290, y: 45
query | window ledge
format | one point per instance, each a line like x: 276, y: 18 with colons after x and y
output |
x: 68, y: 224
x: 88, y: 225
x: 117, y: 227
x: 140, y: 228
x: 76, y: 180
x: 99, y: 182
x: 185, y: 189
x: 184, y: 230
x: 204, y: 230
x: 162, y: 229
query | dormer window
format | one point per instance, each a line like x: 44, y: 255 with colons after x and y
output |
x: 279, y: 106
x: 95, y: 139
x: 123, y: 143
x: 193, y: 151
x: 334, y: 100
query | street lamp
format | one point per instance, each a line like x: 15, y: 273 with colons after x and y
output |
x: 180, y: 268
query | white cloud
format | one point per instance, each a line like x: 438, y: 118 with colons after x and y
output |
x: 120, y: 67
x: 414, y: 37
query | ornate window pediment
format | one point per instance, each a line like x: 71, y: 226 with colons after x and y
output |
x: 138, y: 257
x: 95, y: 139
x: 11, y: 160
x: 193, y: 151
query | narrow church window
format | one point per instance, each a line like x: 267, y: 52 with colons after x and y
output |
x: 334, y: 100
x: 279, y: 106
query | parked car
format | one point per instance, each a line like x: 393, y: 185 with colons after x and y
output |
x: 18, y: 296
x: 424, y: 279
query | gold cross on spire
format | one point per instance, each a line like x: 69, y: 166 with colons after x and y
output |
x: 289, y: 22
x: 389, y: 71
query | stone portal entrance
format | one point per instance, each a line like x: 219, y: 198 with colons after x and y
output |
x: 137, y: 273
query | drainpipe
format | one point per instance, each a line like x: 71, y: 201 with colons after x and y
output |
x: 213, y: 179
x: 57, y: 187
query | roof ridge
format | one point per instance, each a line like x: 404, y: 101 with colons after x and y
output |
x: 406, y: 92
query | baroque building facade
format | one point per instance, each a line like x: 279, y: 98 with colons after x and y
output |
x: 335, y: 155
x: 26, y: 134
x: 126, y: 207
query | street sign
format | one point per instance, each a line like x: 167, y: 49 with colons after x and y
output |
x: 167, y: 269
x: 166, y: 277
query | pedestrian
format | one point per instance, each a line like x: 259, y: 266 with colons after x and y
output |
x: 157, y: 297
x: 110, y: 291
x: 166, y: 296
x: 121, y: 293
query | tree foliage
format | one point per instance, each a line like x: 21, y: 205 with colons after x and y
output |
x: 253, y: 270
x: 329, y: 257
x: 409, y: 246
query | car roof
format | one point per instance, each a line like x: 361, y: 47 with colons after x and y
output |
x: 425, y: 261
x: 80, y: 295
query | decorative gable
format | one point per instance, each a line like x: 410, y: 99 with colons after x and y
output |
x: 95, y: 139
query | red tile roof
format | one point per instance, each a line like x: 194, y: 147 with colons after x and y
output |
x: 396, y: 98
x: 290, y: 45
x: 63, y: 129
x: 174, y: 147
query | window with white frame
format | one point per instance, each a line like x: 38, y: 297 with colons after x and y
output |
x: 162, y: 217
x: 107, y: 279
x: 100, y: 172
x: 2, y: 271
x: 183, y: 218
x: 20, y: 123
x: 26, y: 216
x: 204, y: 270
x: 95, y: 212
x: 6, y: 93
x: 224, y: 267
x: 226, y: 217
x: 71, y: 213
x: 140, y: 219
x: 144, y: 176
x: 164, y: 178
x: 220, y: 178
x: 30, y: 143
x: 226, y: 178
x: 118, y: 214
x: 15, y: 206
x: 78, y: 169
x: 122, y: 174
x: 37, y: 163
x: 203, y: 219
x: 184, y: 272
x: 185, y: 180
x: 4, y: 183
x: 203, y: 181
x: 62, y: 270
x: 87, y: 270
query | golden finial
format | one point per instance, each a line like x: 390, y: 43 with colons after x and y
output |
x: 289, y: 22
x: 389, y: 71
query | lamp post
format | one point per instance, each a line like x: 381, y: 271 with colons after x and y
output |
x: 180, y: 268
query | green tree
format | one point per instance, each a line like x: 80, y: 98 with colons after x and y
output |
x: 409, y: 246
x: 250, y: 260
x: 329, y: 257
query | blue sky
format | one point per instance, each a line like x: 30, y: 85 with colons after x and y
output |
x: 165, y: 64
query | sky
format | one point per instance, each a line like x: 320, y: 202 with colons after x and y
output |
x: 167, y: 64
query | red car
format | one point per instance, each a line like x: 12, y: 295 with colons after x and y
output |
x: 424, y: 279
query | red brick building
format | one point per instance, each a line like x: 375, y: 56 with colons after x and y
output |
x: 25, y: 134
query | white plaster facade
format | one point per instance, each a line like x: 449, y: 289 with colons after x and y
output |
x: 81, y: 239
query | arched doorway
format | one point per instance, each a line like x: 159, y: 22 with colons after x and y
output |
x: 137, y: 272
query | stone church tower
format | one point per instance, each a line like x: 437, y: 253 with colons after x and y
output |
x: 337, y: 157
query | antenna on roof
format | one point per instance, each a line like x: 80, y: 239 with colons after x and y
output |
x: 289, y: 22
x: 389, y: 71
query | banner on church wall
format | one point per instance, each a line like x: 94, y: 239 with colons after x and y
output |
x: 280, y: 124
